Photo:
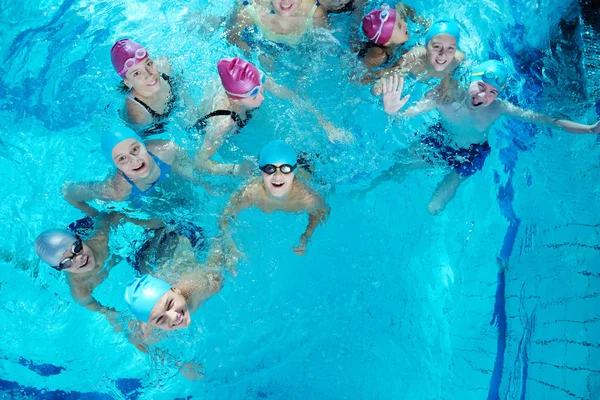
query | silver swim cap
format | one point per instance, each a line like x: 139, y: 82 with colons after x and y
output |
x: 52, y: 244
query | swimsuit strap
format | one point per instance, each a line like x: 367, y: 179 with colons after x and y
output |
x: 201, y: 123
x: 309, y: 20
x: 170, y: 103
x: 165, y: 168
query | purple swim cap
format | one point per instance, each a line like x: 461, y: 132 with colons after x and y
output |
x: 125, y: 54
x: 378, y: 25
x: 238, y: 76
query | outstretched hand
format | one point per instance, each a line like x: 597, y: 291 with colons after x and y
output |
x: 392, y: 90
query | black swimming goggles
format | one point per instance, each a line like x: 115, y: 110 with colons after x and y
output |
x: 284, y: 168
x: 68, y: 262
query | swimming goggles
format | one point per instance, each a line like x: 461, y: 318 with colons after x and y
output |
x: 252, y: 92
x: 284, y: 168
x: 140, y: 54
x: 500, y: 80
x: 68, y: 262
x: 384, y: 15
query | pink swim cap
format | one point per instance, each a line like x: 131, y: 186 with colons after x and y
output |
x: 124, y: 50
x: 238, y: 76
x: 372, y: 25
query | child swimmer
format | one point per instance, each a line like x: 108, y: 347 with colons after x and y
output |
x: 85, y: 263
x: 386, y: 29
x: 141, y: 168
x: 277, y: 190
x: 151, y: 96
x: 461, y: 139
x: 229, y: 110
x: 438, y: 59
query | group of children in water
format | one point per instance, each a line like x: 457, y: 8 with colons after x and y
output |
x: 172, y: 282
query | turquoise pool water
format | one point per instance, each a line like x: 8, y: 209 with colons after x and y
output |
x: 388, y: 303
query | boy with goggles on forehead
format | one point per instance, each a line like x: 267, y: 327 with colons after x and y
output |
x: 229, y: 108
x: 277, y: 189
x: 460, y: 140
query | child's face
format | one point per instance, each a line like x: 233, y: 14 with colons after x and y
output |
x: 83, y: 261
x: 132, y: 158
x: 278, y: 184
x: 170, y: 312
x: 400, y: 33
x: 482, y: 94
x: 252, y: 102
x: 285, y: 7
x: 143, y: 77
x: 440, y: 51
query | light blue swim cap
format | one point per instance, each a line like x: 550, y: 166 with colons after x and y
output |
x: 112, y: 138
x: 493, y: 72
x: 441, y: 26
x: 142, y: 294
x: 277, y: 152
x: 52, y: 244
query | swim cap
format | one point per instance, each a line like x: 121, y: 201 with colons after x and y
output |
x: 238, y: 76
x: 142, y: 294
x: 493, y: 72
x: 122, y: 51
x: 112, y: 138
x: 52, y: 244
x: 443, y: 26
x: 277, y: 152
x: 372, y: 25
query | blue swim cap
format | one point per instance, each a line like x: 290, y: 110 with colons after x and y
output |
x: 277, y: 152
x: 445, y: 25
x: 52, y: 244
x: 112, y: 138
x: 142, y: 294
x: 493, y: 72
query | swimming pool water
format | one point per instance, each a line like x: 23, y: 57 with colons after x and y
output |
x: 388, y: 303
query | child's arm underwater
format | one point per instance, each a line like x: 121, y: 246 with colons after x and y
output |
x: 542, y: 119
x: 213, y: 139
x: 78, y: 194
x: 239, y: 21
x: 318, y: 211
x: 333, y: 133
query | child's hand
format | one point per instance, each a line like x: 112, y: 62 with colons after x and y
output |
x: 300, y: 250
x: 596, y: 128
x: 244, y: 169
x: 111, y: 316
x: 192, y: 371
x: 392, y: 90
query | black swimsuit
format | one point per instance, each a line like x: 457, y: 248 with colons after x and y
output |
x: 348, y: 7
x: 239, y: 121
x: 158, y: 123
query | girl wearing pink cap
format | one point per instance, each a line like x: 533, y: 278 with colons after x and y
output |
x: 386, y: 29
x: 280, y: 21
x: 151, y: 97
x: 228, y: 108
